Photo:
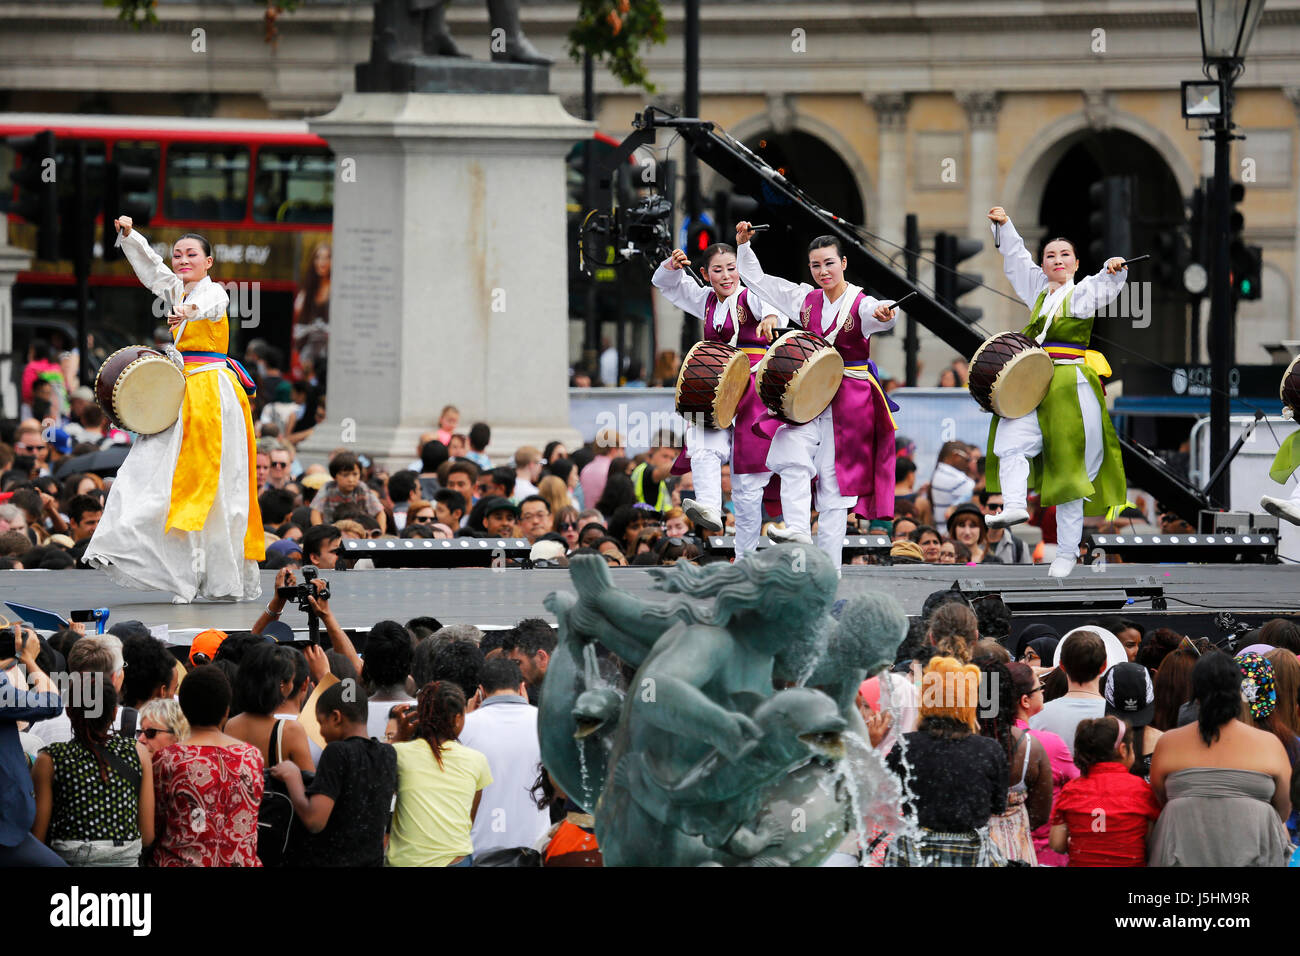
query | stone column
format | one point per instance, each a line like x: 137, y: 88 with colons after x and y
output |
x: 891, y: 205
x: 450, y: 269
x: 12, y: 262
x: 982, y: 107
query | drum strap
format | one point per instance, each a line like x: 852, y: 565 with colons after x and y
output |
x: 1051, y: 304
x: 727, y: 310
x: 846, y: 303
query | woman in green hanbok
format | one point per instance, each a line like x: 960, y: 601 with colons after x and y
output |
x: 1066, y: 449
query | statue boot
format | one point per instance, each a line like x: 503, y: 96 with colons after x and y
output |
x: 504, y: 15
x: 436, y: 40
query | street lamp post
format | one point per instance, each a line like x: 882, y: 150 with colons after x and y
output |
x: 1226, y: 30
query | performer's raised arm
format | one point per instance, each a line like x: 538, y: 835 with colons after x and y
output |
x: 1097, y: 291
x: 782, y: 294
x: 148, y: 265
x: 206, y: 301
x: 678, y: 287
x: 1025, y: 275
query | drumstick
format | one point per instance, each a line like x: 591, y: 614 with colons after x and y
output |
x: 899, y: 302
x: 1134, y: 259
x: 763, y: 228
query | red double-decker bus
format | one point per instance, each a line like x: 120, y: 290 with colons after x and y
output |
x: 260, y: 190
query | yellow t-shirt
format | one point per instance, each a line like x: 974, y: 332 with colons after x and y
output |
x: 431, y: 823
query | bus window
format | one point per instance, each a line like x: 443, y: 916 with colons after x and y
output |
x: 127, y: 152
x: 294, y: 184
x: 206, y: 182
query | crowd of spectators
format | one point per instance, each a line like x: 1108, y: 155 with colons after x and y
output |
x: 1014, y: 750
x: 416, y: 745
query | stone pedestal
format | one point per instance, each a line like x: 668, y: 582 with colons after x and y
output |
x: 12, y: 262
x: 444, y: 74
x: 450, y: 280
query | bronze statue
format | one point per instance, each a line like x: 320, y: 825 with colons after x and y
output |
x: 404, y: 29
x: 736, y: 741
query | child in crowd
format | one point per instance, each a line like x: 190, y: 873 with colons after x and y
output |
x: 345, y: 487
x: 345, y: 809
x: 1104, y: 817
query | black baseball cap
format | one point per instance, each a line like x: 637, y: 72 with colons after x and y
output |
x: 497, y: 503
x: 1129, y: 694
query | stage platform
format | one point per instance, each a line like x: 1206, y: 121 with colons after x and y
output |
x: 1193, y: 594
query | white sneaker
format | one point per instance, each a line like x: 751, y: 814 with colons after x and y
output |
x: 1061, y: 567
x: 1282, y: 508
x: 784, y: 535
x: 1007, y: 517
x: 705, y: 516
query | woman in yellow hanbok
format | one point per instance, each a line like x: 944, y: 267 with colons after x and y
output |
x: 182, y: 514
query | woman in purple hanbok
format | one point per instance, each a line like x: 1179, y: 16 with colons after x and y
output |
x: 849, y: 448
x: 734, y: 315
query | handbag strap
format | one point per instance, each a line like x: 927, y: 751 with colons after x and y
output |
x: 276, y: 747
x: 130, y: 716
x: 133, y: 775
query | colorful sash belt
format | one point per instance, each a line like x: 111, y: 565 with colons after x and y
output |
x: 209, y: 358
x: 1064, y: 352
x: 870, y: 373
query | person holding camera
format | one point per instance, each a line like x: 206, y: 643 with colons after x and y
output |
x: 18, y: 847
x: 319, y: 605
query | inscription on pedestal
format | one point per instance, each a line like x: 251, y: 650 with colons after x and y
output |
x: 364, y: 363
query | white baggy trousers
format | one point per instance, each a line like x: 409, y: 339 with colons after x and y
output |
x: 1020, y: 439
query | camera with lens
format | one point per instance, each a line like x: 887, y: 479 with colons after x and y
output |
x: 299, y: 593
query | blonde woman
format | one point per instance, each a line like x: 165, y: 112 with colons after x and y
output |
x: 556, y: 494
x: 162, y: 724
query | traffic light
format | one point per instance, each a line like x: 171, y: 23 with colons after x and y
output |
x: 38, y: 191
x: 1110, y: 204
x: 120, y: 181
x: 699, y: 237
x: 1245, y: 263
x: 1171, y: 256
x: 949, y: 284
x: 730, y: 208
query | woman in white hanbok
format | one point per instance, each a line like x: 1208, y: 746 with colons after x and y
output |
x: 182, y: 514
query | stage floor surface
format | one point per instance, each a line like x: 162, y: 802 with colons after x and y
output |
x: 500, y: 598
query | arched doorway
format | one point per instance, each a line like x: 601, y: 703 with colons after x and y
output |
x: 1160, y: 332
x: 809, y: 163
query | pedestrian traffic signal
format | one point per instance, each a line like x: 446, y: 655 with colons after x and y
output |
x: 699, y: 237
x: 1245, y: 263
x: 1110, y: 205
x: 949, y: 284
x: 1171, y: 256
x: 730, y: 208
x: 120, y: 181
x: 38, y: 191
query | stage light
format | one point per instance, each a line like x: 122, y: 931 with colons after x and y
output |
x: 438, y: 552
x: 1251, y: 547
